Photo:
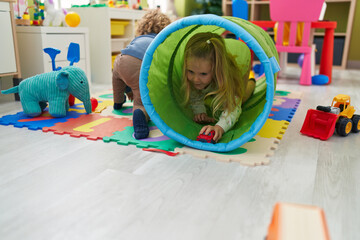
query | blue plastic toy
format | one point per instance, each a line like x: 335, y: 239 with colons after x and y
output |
x: 240, y: 9
x: 73, y: 54
x: 52, y: 53
x: 259, y: 69
x: 320, y: 79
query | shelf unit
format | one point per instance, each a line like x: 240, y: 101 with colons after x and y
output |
x: 33, y: 39
x: 341, y: 11
x: 9, y: 57
x: 102, y: 44
x: 9, y: 52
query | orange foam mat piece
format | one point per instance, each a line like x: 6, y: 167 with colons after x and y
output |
x: 92, y: 126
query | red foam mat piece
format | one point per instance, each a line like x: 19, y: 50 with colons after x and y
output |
x: 92, y: 126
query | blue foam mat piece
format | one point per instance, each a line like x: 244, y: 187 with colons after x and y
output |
x: 285, y: 114
x: 20, y: 120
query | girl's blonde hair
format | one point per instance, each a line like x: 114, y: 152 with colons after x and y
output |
x: 229, y: 84
x: 152, y: 22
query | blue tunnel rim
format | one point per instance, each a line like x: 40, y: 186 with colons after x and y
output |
x: 269, y: 68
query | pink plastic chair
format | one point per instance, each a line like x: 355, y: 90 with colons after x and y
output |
x: 295, y: 11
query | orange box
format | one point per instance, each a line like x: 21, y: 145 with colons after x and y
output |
x: 297, y: 222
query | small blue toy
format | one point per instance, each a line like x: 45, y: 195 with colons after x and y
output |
x: 240, y: 9
x: 73, y: 54
x: 52, y: 53
x: 259, y: 69
x: 320, y: 79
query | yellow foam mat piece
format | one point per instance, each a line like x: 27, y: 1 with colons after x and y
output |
x: 104, y: 104
x: 273, y: 129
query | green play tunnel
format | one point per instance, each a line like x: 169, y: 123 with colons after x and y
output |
x: 161, y: 79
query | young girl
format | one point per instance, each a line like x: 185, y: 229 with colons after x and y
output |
x: 127, y: 69
x: 210, y: 71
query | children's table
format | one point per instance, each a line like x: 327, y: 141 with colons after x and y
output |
x: 327, y: 53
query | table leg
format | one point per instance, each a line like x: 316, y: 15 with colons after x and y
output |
x: 327, y: 54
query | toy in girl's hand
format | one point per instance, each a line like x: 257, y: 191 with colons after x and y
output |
x: 206, y: 138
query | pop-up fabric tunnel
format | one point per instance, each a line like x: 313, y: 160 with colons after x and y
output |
x: 161, y: 79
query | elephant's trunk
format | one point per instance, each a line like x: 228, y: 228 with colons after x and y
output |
x: 87, y: 105
x: 85, y: 98
x: 78, y: 85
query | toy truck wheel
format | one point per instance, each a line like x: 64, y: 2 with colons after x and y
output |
x: 356, y: 123
x: 344, y: 126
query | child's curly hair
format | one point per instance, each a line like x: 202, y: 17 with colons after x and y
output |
x: 152, y: 22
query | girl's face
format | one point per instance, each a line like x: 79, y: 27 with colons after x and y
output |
x: 199, y: 72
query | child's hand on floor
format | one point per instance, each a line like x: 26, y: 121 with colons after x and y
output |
x: 203, y: 118
x: 219, y: 131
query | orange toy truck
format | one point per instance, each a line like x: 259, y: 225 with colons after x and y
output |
x: 322, y: 122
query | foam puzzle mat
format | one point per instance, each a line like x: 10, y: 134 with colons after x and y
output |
x: 109, y: 125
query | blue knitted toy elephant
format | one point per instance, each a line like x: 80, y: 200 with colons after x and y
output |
x: 53, y: 88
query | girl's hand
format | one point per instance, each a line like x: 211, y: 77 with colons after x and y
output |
x: 203, y: 118
x: 219, y: 131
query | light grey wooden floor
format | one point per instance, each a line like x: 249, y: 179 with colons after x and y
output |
x: 59, y: 187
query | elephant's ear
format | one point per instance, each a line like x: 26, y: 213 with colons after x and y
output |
x: 62, y: 80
